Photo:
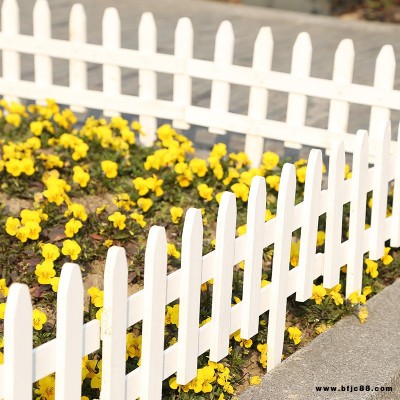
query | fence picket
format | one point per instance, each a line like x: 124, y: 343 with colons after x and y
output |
x: 42, y: 30
x: 69, y: 333
x: 155, y: 293
x: 334, y: 214
x: 77, y: 68
x: 342, y: 74
x: 11, y: 59
x: 223, y: 267
x: 297, y: 103
x: 357, y: 215
x: 182, y: 92
x: 220, y: 91
x: 18, y: 344
x: 111, y: 40
x: 253, y: 258
x: 258, y: 100
x: 147, y: 77
x: 380, y: 192
x: 309, y: 226
x: 189, y: 302
x: 385, y: 70
x: 395, y: 237
x: 280, y: 265
x: 113, y: 324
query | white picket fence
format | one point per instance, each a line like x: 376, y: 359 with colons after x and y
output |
x: 63, y: 355
x: 217, y: 118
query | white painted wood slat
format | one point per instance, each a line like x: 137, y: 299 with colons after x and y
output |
x: 280, y: 265
x: 357, y: 215
x: 147, y: 77
x: 395, y: 238
x: 223, y: 56
x: 258, y: 100
x: 189, y: 302
x: 69, y: 333
x: 253, y: 257
x: 113, y: 324
x: 111, y: 40
x: 309, y: 227
x: 155, y: 271
x: 182, y: 92
x: 18, y: 344
x: 223, y: 269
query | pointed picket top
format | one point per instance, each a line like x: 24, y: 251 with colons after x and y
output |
x: 344, y: 62
x: 111, y: 27
x: 17, y: 366
x: 41, y: 6
x: 263, y: 48
x: 302, y: 52
x: 224, y: 41
x: 77, y: 23
x: 385, y: 68
x: 148, y: 32
x: 114, y: 323
x: 184, y: 27
x: 189, y: 301
x: 69, y: 332
x: 9, y: 13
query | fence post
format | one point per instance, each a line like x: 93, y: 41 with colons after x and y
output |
x: 258, y: 100
x: 11, y: 58
x: 220, y: 91
x: 111, y: 40
x: 357, y: 214
x: 42, y: 30
x: 385, y: 70
x: 155, y: 294
x: 309, y: 226
x: 223, y: 270
x: 114, y: 324
x: 18, y: 364
x: 395, y: 237
x: 182, y: 92
x: 382, y: 137
x: 280, y: 265
x: 297, y: 103
x: 342, y: 74
x: 77, y: 68
x: 147, y: 78
x: 334, y: 214
x: 69, y: 334
x: 189, y: 301
x: 253, y: 258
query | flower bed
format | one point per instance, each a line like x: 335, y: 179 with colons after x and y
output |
x: 69, y: 193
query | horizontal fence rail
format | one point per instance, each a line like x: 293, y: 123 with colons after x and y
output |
x: 148, y: 305
x: 340, y: 90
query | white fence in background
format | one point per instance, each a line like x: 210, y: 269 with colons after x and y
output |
x: 217, y: 118
x: 22, y: 366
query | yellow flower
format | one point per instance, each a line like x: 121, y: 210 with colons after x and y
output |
x: 176, y: 214
x: 133, y: 346
x: 241, y: 191
x: 33, y: 230
x: 13, y: 119
x: 321, y: 329
x: 3, y: 288
x: 144, y: 204
x: 255, y: 380
x: 36, y: 127
x: 387, y: 258
x: 241, y: 230
x: 263, y: 349
x: 81, y: 177
x: 22, y: 234
x: 335, y: 295
x: 72, y: 227
x: 372, y: 268
x: 318, y: 293
x: 301, y: 174
x: 198, y: 166
x: 50, y: 252
x: 205, y: 192
x: 118, y: 220
x: 2, y: 310
x: 38, y: 319
x: 110, y: 168
x: 295, y: 334
x: 363, y: 314
x: 367, y: 290
x: 12, y: 225
x: 45, y: 272
x: 268, y: 215
x: 96, y: 296
x: 273, y: 181
x: 77, y: 210
x: 71, y: 248
x: 108, y: 243
x: 356, y: 298
x: 172, y: 316
x: 46, y: 388
x: 154, y: 184
x: 139, y: 219
x: 54, y: 283
x: 294, y: 254
x: 172, y: 250
x: 320, y: 238
x: 270, y: 160
x: 141, y: 186
x: 247, y: 343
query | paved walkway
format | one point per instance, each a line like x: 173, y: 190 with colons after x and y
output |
x: 326, y: 33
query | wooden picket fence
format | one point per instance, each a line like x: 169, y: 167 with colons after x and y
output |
x: 63, y: 355
x: 183, y: 67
